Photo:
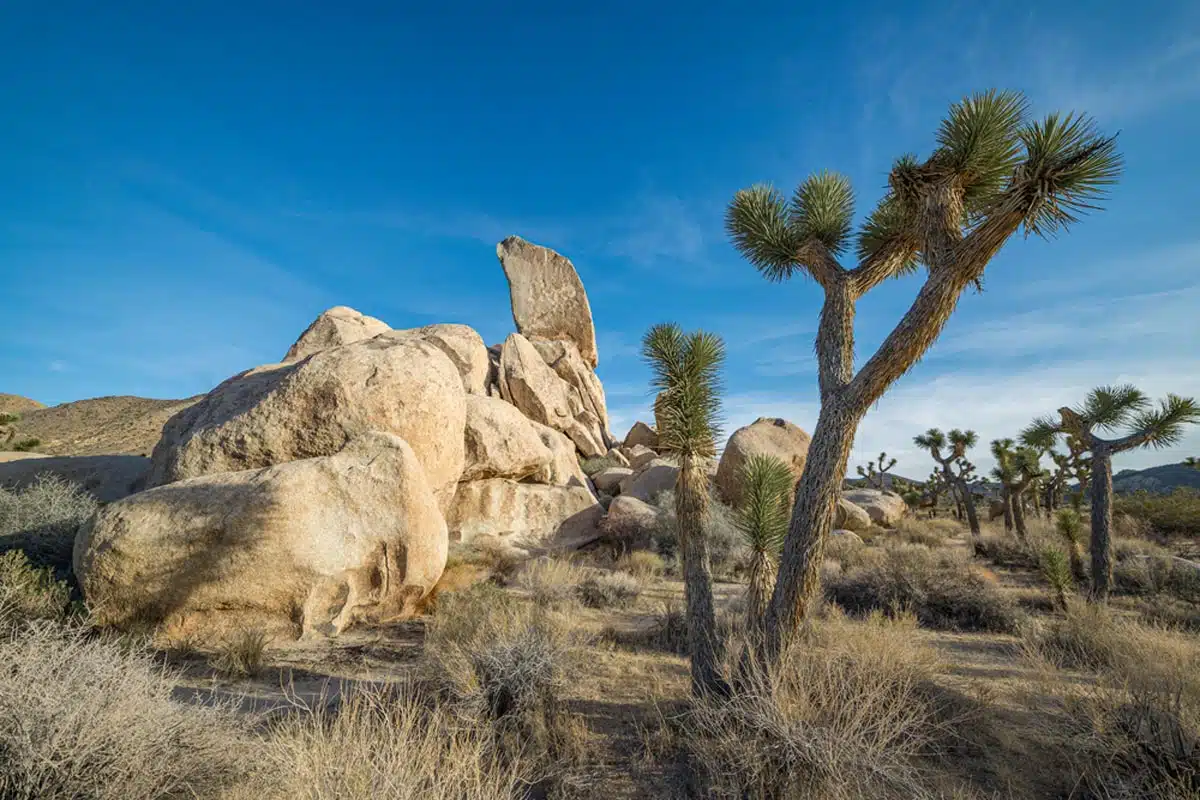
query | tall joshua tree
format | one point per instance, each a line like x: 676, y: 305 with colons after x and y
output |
x: 1017, y: 468
x: 686, y: 374
x: 1114, y: 409
x: 875, y: 477
x: 992, y: 172
x: 959, y: 442
x: 762, y: 519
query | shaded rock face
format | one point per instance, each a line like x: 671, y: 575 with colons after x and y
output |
x: 641, y: 435
x: 524, y: 514
x: 284, y: 412
x: 106, y: 478
x: 563, y: 357
x: 768, y: 436
x: 851, y: 517
x: 338, y: 326
x: 654, y: 477
x: 501, y: 443
x: 548, y: 300
x: 303, y: 548
x: 540, y: 394
x: 630, y: 517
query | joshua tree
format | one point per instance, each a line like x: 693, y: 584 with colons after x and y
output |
x: 762, y: 518
x: 874, y: 477
x: 1069, y: 525
x: 959, y: 442
x: 992, y: 172
x: 1113, y: 409
x: 1016, y: 469
x: 686, y: 374
x: 1192, y: 461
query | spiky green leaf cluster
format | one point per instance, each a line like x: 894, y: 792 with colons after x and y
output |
x: 932, y: 439
x: 763, y: 514
x: 979, y: 142
x: 1164, y: 425
x: 822, y: 210
x: 757, y: 222
x: 1110, y: 407
x: 1069, y: 525
x: 1041, y: 434
x: 686, y: 374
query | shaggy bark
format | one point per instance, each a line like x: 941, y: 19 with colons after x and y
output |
x: 691, y: 508
x: 1101, y: 545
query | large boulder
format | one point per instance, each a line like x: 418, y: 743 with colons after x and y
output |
x: 465, y: 349
x: 535, y: 389
x: 548, y: 300
x: 306, y: 547
x: 527, y: 515
x: 851, y: 517
x: 884, y: 508
x: 608, y: 480
x: 563, y: 357
x: 284, y: 412
x: 335, y: 327
x: 501, y: 443
x: 106, y: 478
x: 630, y: 517
x: 657, y: 476
x: 768, y: 436
x: 638, y: 455
x: 564, y: 468
x: 641, y: 435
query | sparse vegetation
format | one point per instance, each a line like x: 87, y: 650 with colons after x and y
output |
x: 941, y: 589
x: 1171, y: 515
x: 242, y: 655
x: 551, y: 582
x: 609, y: 590
x: 29, y: 593
x: 592, y: 466
x: 42, y: 519
x: 642, y: 564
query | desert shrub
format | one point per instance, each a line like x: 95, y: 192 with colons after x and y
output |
x: 1171, y: 515
x: 642, y: 564
x: 42, y: 519
x: 1136, y: 731
x: 380, y: 744
x: 29, y: 593
x: 242, y: 654
x: 942, y: 589
x: 1056, y: 569
x: 667, y: 632
x: 1125, y: 547
x: 726, y: 546
x: 1157, y: 574
x: 82, y: 717
x: 501, y: 562
x: 847, y: 551
x: 847, y: 714
x: 501, y: 663
x: 551, y: 582
x: 609, y: 590
x: 929, y: 532
x: 1004, y: 550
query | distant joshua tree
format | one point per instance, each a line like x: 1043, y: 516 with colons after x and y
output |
x: 1192, y: 461
x: 955, y: 468
x: 992, y: 172
x: 762, y: 519
x: 1114, y: 409
x: 686, y: 373
x: 875, y: 477
x: 8, y: 434
x: 1016, y: 468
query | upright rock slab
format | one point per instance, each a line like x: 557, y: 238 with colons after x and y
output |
x: 548, y: 299
x: 334, y: 327
x: 284, y: 412
x: 307, y: 547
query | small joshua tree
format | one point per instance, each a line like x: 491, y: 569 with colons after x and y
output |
x: 1016, y: 469
x: 992, y: 172
x: 955, y: 468
x: 686, y: 374
x: 1069, y: 525
x: 875, y: 477
x: 1113, y: 409
x: 762, y: 519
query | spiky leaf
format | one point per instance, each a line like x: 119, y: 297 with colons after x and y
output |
x: 1164, y: 426
x: 1109, y: 407
x: 763, y: 514
x: 823, y: 209
x: 980, y: 142
x: 757, y: 222
x: 686, y: 372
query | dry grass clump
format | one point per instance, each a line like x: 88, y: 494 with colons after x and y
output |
x: 642, y: 564
x: 609, y: 590
x: 848, y: 551
x: 501, y: 664
x: 242, y: 655
x: 941, y: 589
x: 42, y: 519
x: 848, y: 714
x: 1135, y: 732
x: 501, y: 562
x: 1158, y: 575
x: 929, y: 532
x: 29, y: 593
x: 380, y: 744
x: 83, y: 717
x: 592, y: 466
x: 551, y: 582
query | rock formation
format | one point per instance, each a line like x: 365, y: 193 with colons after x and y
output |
x: 337, y: 326
x: 765, y: 436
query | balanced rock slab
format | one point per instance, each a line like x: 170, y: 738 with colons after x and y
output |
x: 768, y: 436
x: 285, y: 412
x: 308, y: 547
x: 548, y: 299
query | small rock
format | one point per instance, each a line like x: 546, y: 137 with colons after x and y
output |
x: 608, y: 480
x: 641, y: 434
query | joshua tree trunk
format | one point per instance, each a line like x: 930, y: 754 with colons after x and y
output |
x: 969, y: 507
x: 812, y: 519
x: 691, y: 507
x: 1006, y: 499
x: 1101, y: 486
x: 1018, y: 514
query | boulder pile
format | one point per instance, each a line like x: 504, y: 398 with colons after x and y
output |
x: 302, y: 496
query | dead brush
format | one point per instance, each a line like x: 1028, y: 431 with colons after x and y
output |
x: 551, y: 582
x: 242, y: 654
x: 28, y: 593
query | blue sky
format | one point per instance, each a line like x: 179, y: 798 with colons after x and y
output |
x: 183, y: 189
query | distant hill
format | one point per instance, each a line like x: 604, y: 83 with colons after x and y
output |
x: 103, y: 425
x: 1160, y: 479
x: 15, y: 404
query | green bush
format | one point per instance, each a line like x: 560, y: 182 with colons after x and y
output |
x: 1174, y: 514
x: 29, y: 593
